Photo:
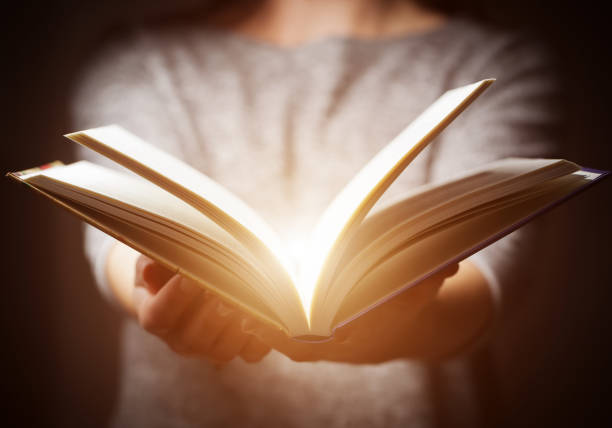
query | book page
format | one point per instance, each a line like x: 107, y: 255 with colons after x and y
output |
x: 357, y: 198
x: 504, y: 183
x: 133, y: 204
x: 435, y: 202
x: 451, y: 243
x: 205, y: 271
x: 201, y: 192
x: 133, y: 191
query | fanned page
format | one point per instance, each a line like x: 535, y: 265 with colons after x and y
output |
x: 351, y: 206
x: 501, y: 185
x: 454, y: 240
x: 158, y: 224
x: 205, y: 195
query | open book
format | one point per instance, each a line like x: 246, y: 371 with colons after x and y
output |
x: 355, y: 259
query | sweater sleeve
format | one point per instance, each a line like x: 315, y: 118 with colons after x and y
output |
x: 118, y: 86
x: 516, y: 117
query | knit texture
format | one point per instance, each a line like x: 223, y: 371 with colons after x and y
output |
x: 285, y: 129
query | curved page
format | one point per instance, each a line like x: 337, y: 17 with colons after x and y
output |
x: 217, y: 278
x: 137, y: 203
x: 430, y: 252
x: 350, y: 207
x: 202, y: 193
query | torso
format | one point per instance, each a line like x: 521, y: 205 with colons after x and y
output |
x: 284, y: 129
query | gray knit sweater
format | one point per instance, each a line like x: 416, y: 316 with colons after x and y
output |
x: 285, y: 129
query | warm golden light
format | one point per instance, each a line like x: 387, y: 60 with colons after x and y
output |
x: 296, y: 248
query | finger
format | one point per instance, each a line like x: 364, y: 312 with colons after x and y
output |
x: 449, y: 270
x: 161, y: 312
x: 141, y: 262
x: 150, y: 274
x: 155, y: 276
x: 276, y: 338
x: 431, y: 285
x: 199, y: 331
x: 254, y: 351
x: 302, y: 351
x: 139, y: 296
x: 292, y: 348
x: 230, y: 342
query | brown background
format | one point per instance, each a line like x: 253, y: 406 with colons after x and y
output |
x: 59, y: 338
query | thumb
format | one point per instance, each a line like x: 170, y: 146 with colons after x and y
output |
x: 448, y: 271
x: 276, y: 338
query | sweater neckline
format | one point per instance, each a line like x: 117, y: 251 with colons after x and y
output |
x: 329, y: 41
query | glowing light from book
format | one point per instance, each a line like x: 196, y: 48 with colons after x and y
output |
x: 296, y: 247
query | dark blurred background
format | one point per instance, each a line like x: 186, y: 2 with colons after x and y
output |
x: 60, y: 338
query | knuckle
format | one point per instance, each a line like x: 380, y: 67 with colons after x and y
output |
x: 152, y: 323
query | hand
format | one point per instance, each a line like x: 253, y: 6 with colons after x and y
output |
x: 399, y: 328
x: 191, y: 320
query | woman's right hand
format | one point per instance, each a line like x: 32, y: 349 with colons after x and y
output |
x: 192, y: 321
